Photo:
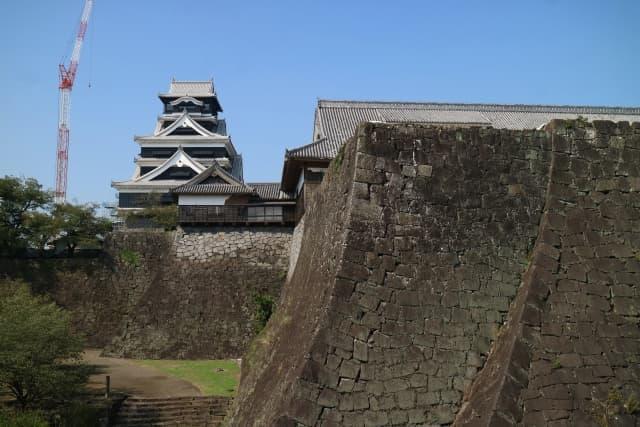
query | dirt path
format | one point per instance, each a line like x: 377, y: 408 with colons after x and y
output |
x: 135, y: 380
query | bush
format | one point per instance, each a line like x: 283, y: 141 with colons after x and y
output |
x: 39, y: 355
x: 80, y: 415
x: 264, y: 310
x: 22, y: 419
x: 165, y: 217
x: 129, y: 257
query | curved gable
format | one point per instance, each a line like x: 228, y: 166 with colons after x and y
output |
x: 215, y: 172
x: 185, y: 120
x: 179, y: 159
x: 186, y: 100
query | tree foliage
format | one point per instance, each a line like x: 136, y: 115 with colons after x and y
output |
x: 164, y: 216
x: 19, y: 198
x: 78, y: 225
x: 40, y: 230
x: 264, y: 309
x: 39, y: 354
x: 29, y: 219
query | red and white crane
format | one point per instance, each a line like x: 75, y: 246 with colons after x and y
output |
x: 67, y: 78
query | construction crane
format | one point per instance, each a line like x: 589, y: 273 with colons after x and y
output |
x: 67, y: 78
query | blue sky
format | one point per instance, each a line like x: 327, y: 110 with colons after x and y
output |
x: 271, y: 61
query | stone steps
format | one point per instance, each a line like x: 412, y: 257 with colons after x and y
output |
x: 179, y: 411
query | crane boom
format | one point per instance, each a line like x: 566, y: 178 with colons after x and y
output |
x: 67, y: 78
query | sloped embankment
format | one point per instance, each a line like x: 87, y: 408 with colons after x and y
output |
x: 422, y: 242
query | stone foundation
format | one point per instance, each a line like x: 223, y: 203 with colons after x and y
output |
x: 251, y: 245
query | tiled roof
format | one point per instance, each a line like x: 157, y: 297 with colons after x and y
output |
x: 270, y: 191
x: 324, y: 148
x: 338, y: 120
x: 215, y: 170
x: 191, y: 88
x: 264, y: 190
x: 213, y: 189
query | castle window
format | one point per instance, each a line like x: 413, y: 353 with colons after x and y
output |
x: 264, y: 213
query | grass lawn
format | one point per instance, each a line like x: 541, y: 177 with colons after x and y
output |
x: 212, y: 377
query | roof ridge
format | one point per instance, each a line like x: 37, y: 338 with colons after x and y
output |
x: 192, y: 81
x: 593, y: 109
x: 317, y: 141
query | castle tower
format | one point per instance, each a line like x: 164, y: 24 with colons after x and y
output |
x: 189, y: 138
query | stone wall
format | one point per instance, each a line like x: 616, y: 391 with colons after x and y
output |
x: 443, y: 269
x: 569, y: 354
x: 296, y: 244
x: 188, y: 294
x: 250, y: 245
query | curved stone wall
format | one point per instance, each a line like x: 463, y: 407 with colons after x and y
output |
x: 426, y: 252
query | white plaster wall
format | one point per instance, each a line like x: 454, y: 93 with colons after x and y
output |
x: 201, y: 200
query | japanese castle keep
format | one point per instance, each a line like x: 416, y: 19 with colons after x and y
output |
x: 190, y: 160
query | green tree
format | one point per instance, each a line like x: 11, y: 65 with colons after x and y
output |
x: 18, y: 198
x: 78, y: 225
x: 163, y: 216
x: 159, y: 214
x: 39, y: 354
x: 40, y: 229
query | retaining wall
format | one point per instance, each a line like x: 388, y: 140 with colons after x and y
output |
x: 187, y: 294
x: 467, y: 275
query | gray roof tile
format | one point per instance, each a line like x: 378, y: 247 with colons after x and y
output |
x: 191, y: 88
x: 213, y: 189
x: 338, y: 119
x: 321, y: 149
x: 270, y: 191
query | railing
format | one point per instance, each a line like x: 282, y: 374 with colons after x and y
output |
x: 237, y: 214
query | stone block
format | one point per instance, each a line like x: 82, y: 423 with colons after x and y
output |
x: 328, y: 398
x: 409, y: 171
x: 349, y: 369
x: 417, y: 416
x: 424, y: 170
x: 395, y: 385
x: 397, y: 418
x: 346, y: 385
x: 406, y: 399
x: 369, y: 176
x: 437, y: 384
x: 376, y: 418
x: 360, y: 351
